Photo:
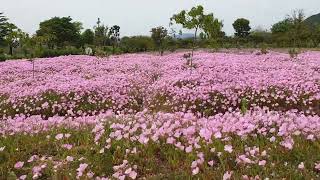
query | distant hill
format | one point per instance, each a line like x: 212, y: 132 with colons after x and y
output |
x: 184, y: 36
x: 313, y: 20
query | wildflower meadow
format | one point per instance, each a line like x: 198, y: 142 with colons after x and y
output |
x: 142, y: 116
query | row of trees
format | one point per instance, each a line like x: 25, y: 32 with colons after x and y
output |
x: 62, y: 35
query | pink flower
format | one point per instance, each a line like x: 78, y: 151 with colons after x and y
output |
x: 262, y: 163
x: 287, y: 143
x: 301, y: 165
x: 317, y: 166
x: 133, y: 175
x: 211, y: 163
x: 188, y: 149
x: 310, y: 137
x: 19, y: 165
x: 170, y: 140
x: 218, y: 135
x: 69, y: 158
x: 272, y: 139
x: 195, y: 171
x: 23, y: 177
x: 228, y: 148
x: 67, y: 146
x: 90, y: 174
x: 2, y: 148
x: 59, y: 136
x: 128, y: 171
x: 32, y: 158
x: 245, y: 177
x: 82, y: 167
x: 227, y: 175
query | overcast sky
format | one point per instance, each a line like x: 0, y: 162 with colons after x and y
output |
x: 139, y: 16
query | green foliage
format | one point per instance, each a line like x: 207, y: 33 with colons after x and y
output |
x: 170, y: 44
x: 87, y: 37
x: 293, y: 31
x: 3, y: 57
x: 101, y: 53
x: 293, y: 52
x: 244, y: 105
x: 13, y: 37
x: 259, y: 36
x: 136, y: 44
x: 212, y: 27
x: 190, y: 20
x: 242, y: 27
x: 263, y: 48
x: 101, y: 35
x: 282, y: 27
x: 158, y: 35
x: 193, y: 19
x: 3, y: 26
x: 114, y: 35
x: 45, y: 53
x: 59, y: 31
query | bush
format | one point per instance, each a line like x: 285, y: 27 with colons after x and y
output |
x: 45, y: 53
x: 263, y: 48
x: 293, y: 52
x: 3, y: 57
x: 136, y: 44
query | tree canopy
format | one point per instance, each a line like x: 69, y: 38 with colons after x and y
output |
x: 197, y: 20
x: 3, y: 27
x: 242, y: 27
x: 212, y: 27
x: 59, y: 31
x: 87, y: 37
x: 114, y: 34
x: 158, y: 35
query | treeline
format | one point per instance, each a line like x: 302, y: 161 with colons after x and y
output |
x: 64, y: 36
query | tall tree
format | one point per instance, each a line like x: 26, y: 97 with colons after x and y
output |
x: 193, y: 19
x: 87, y: 37
x: 101, y: 35
x: 13, y: 37
x: 283, y: 26
x: 242, y: 27
x: 292, y: 31
x: 60, y: 31
x: 114, y: 34
x: 3, y: 27
x: 212, y: 27
x: 300, y: 31
x: 158, y: 35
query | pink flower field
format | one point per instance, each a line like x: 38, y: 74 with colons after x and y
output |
x: 141, y: 116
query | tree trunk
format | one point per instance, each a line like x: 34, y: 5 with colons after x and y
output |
x: 194, y: 42
x: 193, y: 47
x: 10, y: 50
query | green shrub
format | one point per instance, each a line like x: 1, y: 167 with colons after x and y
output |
x: 263, y: 48
x: 45, y: 53
x: 3, y: 57
x: 293, y: 52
